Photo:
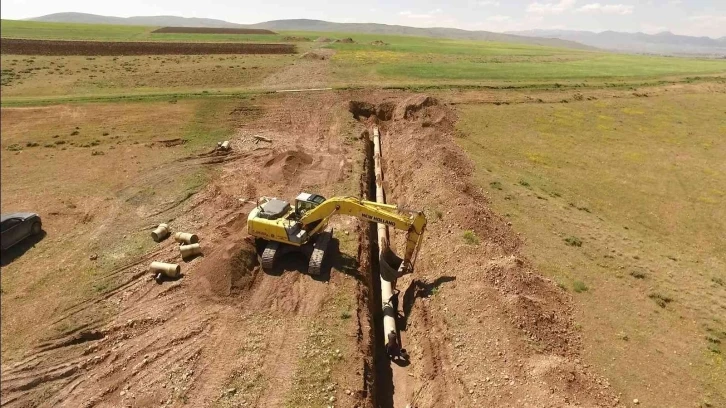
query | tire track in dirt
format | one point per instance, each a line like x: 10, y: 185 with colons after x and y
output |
x: 225, y: 325
x: 482, y: 328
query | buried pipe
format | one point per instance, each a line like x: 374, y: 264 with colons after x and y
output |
x: 186, y: 238
x: 161, y: 269
x: 386, y: 257
x: 189, y: 251
x: 160, y: 233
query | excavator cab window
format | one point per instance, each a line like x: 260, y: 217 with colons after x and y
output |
x: 306, y: 202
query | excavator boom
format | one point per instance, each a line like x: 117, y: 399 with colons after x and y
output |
x: 413, y: 222
x: 306, y: 225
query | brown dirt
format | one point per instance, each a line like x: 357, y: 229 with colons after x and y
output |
x: 481, y: 326
x: 211, y: 30
x: 314, y: 56
x: 529, y: 355
x: 224, y: 324
x: 345, y: 41
x: 323, y: 39
x: 58, y: 47
x: 379, y: 42
x: 312, y: 70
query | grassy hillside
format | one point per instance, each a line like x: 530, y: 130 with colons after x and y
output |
x: 403, y: 61
x: 113, y: 32
x: 174, y: 21
x: 312, y: 25
x: 622, y: 202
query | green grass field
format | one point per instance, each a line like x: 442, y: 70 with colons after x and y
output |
x: 403, y: 62
x: 622, y: 202
x: 107, y: 32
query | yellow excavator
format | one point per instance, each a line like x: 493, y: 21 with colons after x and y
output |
x: 281, y: 227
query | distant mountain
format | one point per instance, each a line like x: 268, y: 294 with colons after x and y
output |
x: 311, y: 25
x: 162, y: 21
x: 661, y: 43
x: 436, y: 32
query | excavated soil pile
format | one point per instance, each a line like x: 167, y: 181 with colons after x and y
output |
x: 527, y: 319
x: 230, y: 269
x: 286, y: 165
x: 313, y: 56
x: 211, y: 30
x: 346, y: 41
x: 323, y: 39
x: 96, y: 48
x: 379, y: 42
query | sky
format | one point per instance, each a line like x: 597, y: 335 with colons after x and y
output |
x: 687, y: 17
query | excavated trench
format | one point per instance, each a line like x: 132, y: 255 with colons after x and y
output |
x: 379, y: 376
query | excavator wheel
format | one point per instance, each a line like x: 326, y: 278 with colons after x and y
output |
x: 268, y: 255
x: 318, y: 255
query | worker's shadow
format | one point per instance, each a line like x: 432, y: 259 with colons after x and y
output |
x: 419, y: 289
x: 16, y: 251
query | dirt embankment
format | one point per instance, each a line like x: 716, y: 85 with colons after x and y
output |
x: 211, y: 30
x: 482, y: 326
x: 96, y: 48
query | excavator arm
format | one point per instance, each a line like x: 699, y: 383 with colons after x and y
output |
x: 413, y: 222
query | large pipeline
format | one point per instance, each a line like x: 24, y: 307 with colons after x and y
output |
x: 387, y: 287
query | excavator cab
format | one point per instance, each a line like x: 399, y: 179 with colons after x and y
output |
x: 306, y: 202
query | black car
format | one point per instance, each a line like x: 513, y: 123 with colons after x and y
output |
x: 16, y: 227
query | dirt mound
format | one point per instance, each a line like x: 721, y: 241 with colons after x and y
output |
x: 426, y: 169
x: 409, y: 108
x: 324, y: 39
x: 211, y: 30
x: 286, y: 165
x: 379, y: 42
x: 345, y: 41
x: 58, y: 47
x: 314, y: 56
x: 230, y: 269
x: 295, y: 39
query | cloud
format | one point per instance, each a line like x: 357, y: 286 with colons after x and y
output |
x: 649, y: 28
x: 675, y: 2
x: 706, y: 24
x: 551, y: 8
x: 428, y: 15
x: 621, y: 9
x: 499, y: 18
x: 488, y: 3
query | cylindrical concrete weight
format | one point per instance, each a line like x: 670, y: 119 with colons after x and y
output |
x: 225, y: 145
x: 161, y: 232
x: 170, y: 270
x: 186, y: 238
x: 188, y: 251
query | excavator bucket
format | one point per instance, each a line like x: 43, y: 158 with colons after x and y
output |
x: 390, y: 264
